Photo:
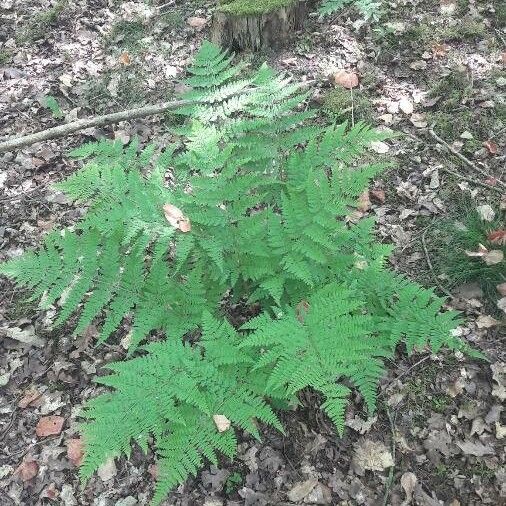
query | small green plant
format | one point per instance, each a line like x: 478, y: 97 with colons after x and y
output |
x: 461, y: 239
x: 37, y: 27
x: 128, y: 33
x: 370, y: 10
x: 256, y: 212
x: 5, y: 56
x: 52, y: 104
x: 233, y: 482
x: 341, y: 104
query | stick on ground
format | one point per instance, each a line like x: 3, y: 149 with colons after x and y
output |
x: 83, y: 124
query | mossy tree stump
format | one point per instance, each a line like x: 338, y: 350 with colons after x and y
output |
x: 257, y: 24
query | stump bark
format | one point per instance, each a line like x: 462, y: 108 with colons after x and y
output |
x: 271, y: 29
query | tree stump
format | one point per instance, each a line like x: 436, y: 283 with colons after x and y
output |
x: 257, y: 24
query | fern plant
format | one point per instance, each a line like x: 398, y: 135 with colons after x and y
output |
x: 370, y: 10
x: 255, y: 209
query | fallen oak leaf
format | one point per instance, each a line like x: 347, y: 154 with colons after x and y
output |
x: 75, y: 451
x: 176, y: 218
x: 491, y: 147
x: 345, y: 79
x: 497, y: 237
x: 49, y: 426
x: 28, y: 469
x: 29, y: 397
x: 124, y: 58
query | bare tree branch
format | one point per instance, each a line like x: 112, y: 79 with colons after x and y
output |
x: 81, y: 124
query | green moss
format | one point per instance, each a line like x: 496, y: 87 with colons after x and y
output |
x: 37, y: 27
x: 464, y: 231
x: 248, y: 7
x: 127, y: 33
x: 5, y: 56
x: 338, y: 103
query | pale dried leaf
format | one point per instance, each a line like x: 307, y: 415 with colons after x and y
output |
x: 176, y: 218
x: 501, y: 288
x: 408, y: 484
x: 373, y: 456
x: 477, y: 449
x: 406, y: 106
x: 107, y: 471
x: 486, y: 212
x: 222, y: 422
x: 494, y: 257
x: 301, y: 489
x: 486, y: 321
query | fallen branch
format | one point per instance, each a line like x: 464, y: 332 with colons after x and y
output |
x: 83, y: 124
x: 468, y: 162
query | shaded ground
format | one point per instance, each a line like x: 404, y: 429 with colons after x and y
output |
x: 440, y: 418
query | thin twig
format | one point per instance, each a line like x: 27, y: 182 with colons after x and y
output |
x: 98, y: 121
x: 390, y: 479
x: 471, y: 180
x: 431, y: 267
x: 468, y: 162
x: 454, y: 173
x: 22, y: 194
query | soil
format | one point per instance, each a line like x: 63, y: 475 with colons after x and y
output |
x: 423, y: 65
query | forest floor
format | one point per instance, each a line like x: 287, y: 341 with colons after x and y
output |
x: 423, y: 66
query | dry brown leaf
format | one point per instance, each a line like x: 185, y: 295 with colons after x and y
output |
x: 222, y: 422
x: 494, y: 257
x: 364, y: 204
x: 501, y: 288
x: 29, y: 397
x: 301, y: 310
x: 28, y: 469
x: 378, y: 195
x: 124, y: 58
x: 491, y: 147
x: 440, y: 50
x: 345, y: 79
x: 497, y: 237
x: 485, y: 322
x: 49, y: 426
x: 176, y: 218
x: 75, y: 451
x: 196, y: 22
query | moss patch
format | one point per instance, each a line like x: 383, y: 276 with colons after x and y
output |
x: 338, y: 103
x: 37, y: 27
x: 252, y: 7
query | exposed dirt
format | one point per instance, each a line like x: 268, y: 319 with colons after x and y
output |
x: 440, y: 418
